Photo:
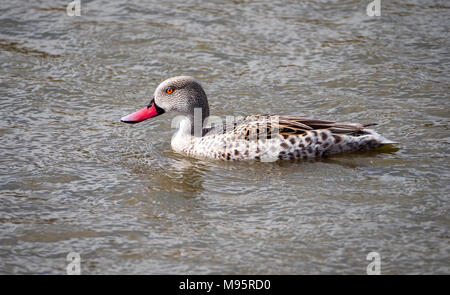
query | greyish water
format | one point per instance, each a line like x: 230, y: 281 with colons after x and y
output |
x: 74, y: 178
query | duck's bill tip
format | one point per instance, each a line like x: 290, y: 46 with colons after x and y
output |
x: 129, y: 122
x: 141, y: 115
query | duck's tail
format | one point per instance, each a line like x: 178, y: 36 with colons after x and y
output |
x: 381, y: 140
x: 386, y: 141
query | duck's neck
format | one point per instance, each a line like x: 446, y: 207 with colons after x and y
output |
x: 191, y: 125
x: 197, y: 119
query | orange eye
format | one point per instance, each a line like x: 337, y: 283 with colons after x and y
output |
x: 169, y: 90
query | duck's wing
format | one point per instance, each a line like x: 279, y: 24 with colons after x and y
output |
x: 243, y: 126
x: 290, y: 125
x: 267, y: 125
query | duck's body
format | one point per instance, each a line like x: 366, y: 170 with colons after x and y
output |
x: 256, y: 137
x: 249, y: 140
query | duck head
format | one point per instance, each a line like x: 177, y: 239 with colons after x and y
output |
x: 181, y: 94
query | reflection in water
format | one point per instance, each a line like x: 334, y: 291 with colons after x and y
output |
x: 181, y: 175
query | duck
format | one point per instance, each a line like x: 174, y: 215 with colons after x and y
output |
x: 261, y: 137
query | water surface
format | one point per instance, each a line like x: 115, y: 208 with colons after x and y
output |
x: 73, y: 178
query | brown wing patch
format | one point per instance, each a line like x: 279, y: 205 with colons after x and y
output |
x: 290, y: 125
x: 256, y: 127
x: 259, y: 127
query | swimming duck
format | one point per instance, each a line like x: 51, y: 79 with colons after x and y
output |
x: 254, y: 137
